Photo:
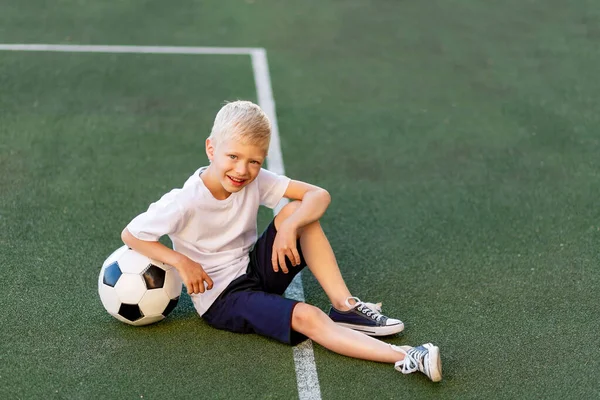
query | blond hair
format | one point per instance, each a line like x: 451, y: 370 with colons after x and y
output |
x: 243, y: 121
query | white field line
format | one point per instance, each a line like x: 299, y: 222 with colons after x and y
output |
x: 304, y: 357
x: 68, y: 48
x: 304, y: 360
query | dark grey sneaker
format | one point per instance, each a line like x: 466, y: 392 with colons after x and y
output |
x: 424, y: 358
x: 366, y: 318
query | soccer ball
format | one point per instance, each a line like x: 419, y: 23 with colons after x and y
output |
x: 136, y: 289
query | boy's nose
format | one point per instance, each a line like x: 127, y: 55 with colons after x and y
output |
x: 241, y: 169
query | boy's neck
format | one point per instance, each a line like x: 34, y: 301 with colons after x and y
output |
x: 213, y: 185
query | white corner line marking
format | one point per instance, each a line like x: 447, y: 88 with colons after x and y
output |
x: 304, y: 359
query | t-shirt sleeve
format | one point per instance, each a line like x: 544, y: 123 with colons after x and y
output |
x: 272, y: 187
x: 163, y: 217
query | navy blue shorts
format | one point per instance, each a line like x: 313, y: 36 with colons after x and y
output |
x: 253, y: 303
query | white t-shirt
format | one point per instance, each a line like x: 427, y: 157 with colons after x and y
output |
x: 218, y: 234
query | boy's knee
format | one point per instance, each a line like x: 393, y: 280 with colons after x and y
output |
x: 306, y: 318
x: 290, y: 208
x: 286, y: 211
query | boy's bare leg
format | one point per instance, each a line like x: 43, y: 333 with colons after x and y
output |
x: 321, y: 261
x: 319, y: 258
x: 316, y: 325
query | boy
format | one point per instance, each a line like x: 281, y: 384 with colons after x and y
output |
x: 235, y: 281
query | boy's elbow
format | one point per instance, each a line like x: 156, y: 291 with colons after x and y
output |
x: 326, y: 197
x: 126, y: 236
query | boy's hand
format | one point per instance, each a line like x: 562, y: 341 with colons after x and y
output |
x: 194, y: 276
x: 285, y: 246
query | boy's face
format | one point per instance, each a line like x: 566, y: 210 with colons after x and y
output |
x: 233, y: 165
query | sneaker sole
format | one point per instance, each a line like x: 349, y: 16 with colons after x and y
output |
x: 435, y: 364
x: 375, y: 330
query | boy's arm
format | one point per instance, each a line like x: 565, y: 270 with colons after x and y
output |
x: 192, y: 273
x: 315, y: 201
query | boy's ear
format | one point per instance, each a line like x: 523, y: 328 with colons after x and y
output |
x: 210, y: 149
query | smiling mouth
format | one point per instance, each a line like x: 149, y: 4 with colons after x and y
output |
x: 236, y: 181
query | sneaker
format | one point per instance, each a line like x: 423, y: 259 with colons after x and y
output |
x: 366, y: 318
x: 424, y: 358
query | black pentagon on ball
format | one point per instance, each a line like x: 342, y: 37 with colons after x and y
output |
x: 154, y: 277
x: 130, y: 312
x: 112, y: 274
x: 170, y: 306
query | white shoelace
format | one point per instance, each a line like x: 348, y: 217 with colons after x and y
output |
x: 369, y: 309
x: 410, y: 363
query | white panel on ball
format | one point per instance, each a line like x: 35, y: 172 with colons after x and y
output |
x: 115, y: 255
x: 109, y: 298
x: 147, y: 320
x: 101, y: 276
x: 130, y: 288
x: 133, y: 262
x: 173, y: 283
x: 154, y: 302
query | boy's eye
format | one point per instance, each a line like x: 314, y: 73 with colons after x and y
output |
x: 255, y: 162
x: 232, y: 156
